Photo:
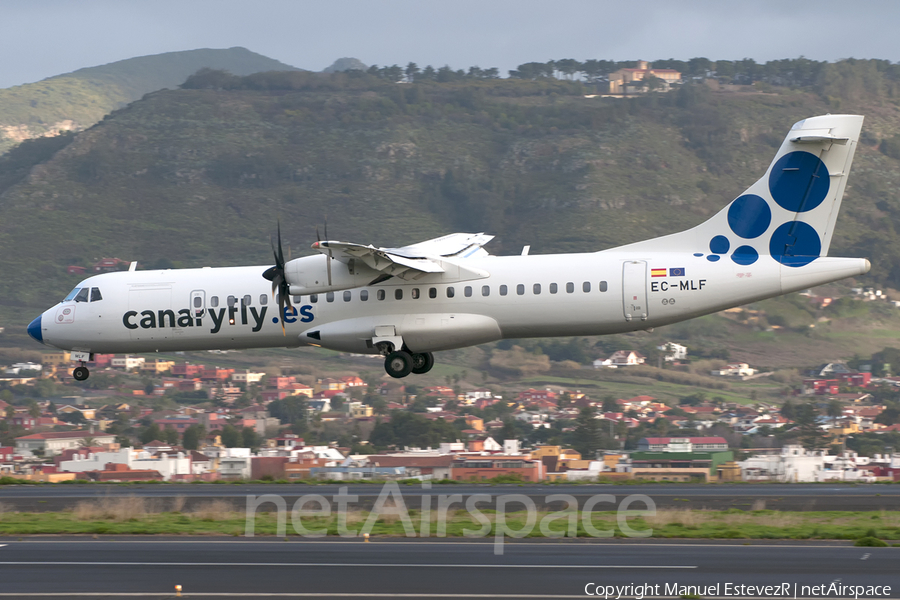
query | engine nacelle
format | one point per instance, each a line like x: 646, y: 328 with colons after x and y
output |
x: 310, y: 274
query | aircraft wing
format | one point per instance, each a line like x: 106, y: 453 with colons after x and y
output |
x: 409, y: 262
x: 454, y: 245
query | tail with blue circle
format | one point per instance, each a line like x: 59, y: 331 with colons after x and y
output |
x: 790, y: 213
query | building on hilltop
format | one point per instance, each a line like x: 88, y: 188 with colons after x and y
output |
x: 634, y: 81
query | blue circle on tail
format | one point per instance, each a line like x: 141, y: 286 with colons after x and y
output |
x: 799, y: 181
x: 749, y: 216
x: 719, y: 244
x: 745, y: 255
x: 795, y: 244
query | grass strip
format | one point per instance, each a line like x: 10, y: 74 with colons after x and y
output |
x: 136, y: 516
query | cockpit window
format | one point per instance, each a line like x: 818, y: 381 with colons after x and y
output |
x: 95, y: 295
x: 82, y: 295
x: 71, y: 295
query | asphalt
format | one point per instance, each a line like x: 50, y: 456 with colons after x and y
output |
x: 128, y: 568
x: 788, y: 497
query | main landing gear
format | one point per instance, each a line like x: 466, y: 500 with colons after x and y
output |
x: 400, y: 363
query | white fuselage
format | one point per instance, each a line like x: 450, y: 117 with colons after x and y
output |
x: 523, y: 296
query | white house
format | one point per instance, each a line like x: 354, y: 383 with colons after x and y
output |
x: 247, y: 376
x: 23, y: 366
x: 127, y: 362
x: 623, y: 358
x: 54, y: 442
x: 794, y: 464
x: 168, y: 465
x: 735, y: 370
x: 673, y: 351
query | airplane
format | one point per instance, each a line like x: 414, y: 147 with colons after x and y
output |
x: 407, y: 303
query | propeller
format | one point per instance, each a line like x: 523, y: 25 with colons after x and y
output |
x: 275, y: 274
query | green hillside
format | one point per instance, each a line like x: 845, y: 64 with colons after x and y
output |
x: 198, y: 176
x: 77, y: 100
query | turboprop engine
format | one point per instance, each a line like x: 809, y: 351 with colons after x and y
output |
x: 319, y: 273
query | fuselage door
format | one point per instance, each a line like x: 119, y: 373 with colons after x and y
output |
x: 198, y: 303
x: 154, y: 316
x: 634, y: 290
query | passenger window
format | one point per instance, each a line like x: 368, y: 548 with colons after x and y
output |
x: 603, y: 287
x: 264, y: 299
x: 398, y: 294
x: 415, y: 293
x: 520, y: 289
x: 503, y: 290
x: 329, y: 297
x: 451, y: 292
x: 432, y: 292
x: 82, y: 295
x: 380, y: 294
x: 363, y: 295
x: 570, y: 287
x: 95, y: 295
x: 198, y: 301
x: 485, y: 290
x: 537, y: 289
x: 214, y: 301
x: 71, y: 295
x: 586, y: 287
x: 246, y: 300
x: 313, y: 298
x: 347, y: 296
x: 468, y: 291
x: 297, y: 299
x: 231, y: 301
x: 553, y: 288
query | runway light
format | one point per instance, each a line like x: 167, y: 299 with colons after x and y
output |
x: 178, y: 590
x: 231, y: 321
x: 366, y: 538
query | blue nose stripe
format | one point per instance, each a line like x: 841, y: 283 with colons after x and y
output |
x: 34, y: 330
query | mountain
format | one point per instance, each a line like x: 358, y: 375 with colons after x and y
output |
x: 199, y: 176
x: 345, y: 64
x: 77, y: 100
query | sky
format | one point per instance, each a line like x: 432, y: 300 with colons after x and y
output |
x: 42, y: 38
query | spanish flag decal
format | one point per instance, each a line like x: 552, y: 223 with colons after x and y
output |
x: 657, y: 272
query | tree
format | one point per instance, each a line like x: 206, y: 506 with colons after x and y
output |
x: 835, y: 409
x: 171, y: 435
x: 810, y: 436
x: 508, y: 431
x: 588, y: 434
x: 610, y: 404
x: 150, y: 434
x: 231, y: 437
x: 192, y: 436
x: 249, y: 438
x: 412, y: 70
x: 788, y: 410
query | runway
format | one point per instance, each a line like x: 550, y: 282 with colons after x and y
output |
x: 232, y: 568
x: 802, y: 497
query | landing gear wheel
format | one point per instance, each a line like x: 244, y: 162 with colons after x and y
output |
x: 80, y: 373
x: 398, y: 364
x: 422, y: 363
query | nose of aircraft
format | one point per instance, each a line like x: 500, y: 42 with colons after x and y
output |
x: 34, y: 330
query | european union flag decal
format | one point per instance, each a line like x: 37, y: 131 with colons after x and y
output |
x: 676, y: 272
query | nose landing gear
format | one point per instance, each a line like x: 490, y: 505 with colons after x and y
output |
x: 80, y: 373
